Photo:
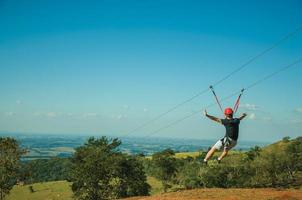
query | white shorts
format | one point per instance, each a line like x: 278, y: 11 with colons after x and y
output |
x: 222, y: 143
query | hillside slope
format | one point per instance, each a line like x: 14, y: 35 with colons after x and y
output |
x: 55, y: 190
x: 227, y: 194
x: 60, y: 190
x: 280, y: 145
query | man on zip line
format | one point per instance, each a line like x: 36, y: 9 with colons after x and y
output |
x: 230, y: 139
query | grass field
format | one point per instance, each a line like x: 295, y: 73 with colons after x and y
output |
x: 187, y: 154
x: 183, y: 155
x: 58, y: 190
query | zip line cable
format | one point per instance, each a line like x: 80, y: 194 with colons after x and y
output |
x: 188, y: 116
x: 228, y: 97
x: 274, y: 74
x: 259, y: 55
x: 262, y: 53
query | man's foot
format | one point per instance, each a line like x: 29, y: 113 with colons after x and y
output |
x: 205, y: 162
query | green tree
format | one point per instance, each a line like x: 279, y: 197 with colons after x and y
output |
x: 286, y: 139
x: 42, y: 170
x: 234, y: 171
x: 165, y: 167
x: 189, y: 176
x: 130, y: 172
x: 201, y: 156
x: 10, y: 154
x: 253, y: 153
x: 99, y: 171
x: 271, y: 169
x: 294, y: 164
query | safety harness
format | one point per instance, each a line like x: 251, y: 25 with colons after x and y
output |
x: 236, y: 103
x: 217, y: 100
x: 226, y: 141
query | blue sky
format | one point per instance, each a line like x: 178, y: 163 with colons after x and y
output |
x: 106, y: 67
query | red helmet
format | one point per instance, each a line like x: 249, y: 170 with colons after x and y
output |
x: 228, y: 111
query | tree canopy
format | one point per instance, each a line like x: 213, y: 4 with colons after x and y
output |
x: 10, y: 154
x: 100, y: 171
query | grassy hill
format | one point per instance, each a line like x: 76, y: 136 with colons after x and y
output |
x: 195, y: 154
x: 183, y: 155
x: 60, y: 190
x: 227, y: 194
x: 57, y: 190
x: 280, y: 145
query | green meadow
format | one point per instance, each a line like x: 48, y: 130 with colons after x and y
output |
x: 59, y: 190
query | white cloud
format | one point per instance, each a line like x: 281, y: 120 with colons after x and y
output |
x: 18, y: 102
x: 249, y: 106
x: 299, y: 110
x: 126, y: 107
x: 86, y: 115
x: 266, y: 118
x: 37, y: 114
x: 44, y: 114
x: 10, y: 114
x: 252, y: 116
x: 52, y: 114
x: 145, y: 110
x: 67, y: 114
x: 118, y: 117
x: 296, y: 121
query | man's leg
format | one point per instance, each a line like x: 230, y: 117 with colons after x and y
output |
x: 210, y: 154
x: 216, y: 146
x: 226, y: 149
x: 224, y: 154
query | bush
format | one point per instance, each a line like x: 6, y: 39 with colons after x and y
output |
x: 164, y: 167
x: 100, y: 171
x: 43, y: 170
x: 189, y: 175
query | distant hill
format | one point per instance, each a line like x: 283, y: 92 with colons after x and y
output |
x: 63, y: 145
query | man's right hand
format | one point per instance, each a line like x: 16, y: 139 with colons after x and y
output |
x: 205, y: 113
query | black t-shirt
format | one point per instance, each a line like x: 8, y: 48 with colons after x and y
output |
x: 231, y: 127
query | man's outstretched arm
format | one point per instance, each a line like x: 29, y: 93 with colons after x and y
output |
x: 212, y: 117
x: 242, y: 116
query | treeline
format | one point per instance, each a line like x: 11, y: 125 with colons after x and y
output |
x: 44, y: 170
x: 98, y: 170
x: 278, y: 165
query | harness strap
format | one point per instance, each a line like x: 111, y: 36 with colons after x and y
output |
x: 226, y: 141
x: 212, y: 89
x: 238, y: 101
